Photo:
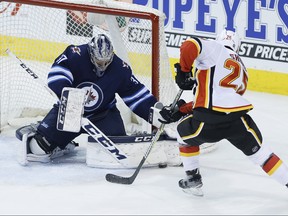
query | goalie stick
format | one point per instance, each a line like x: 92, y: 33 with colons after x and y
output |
x: 86, y: 124
x: 129, y: 180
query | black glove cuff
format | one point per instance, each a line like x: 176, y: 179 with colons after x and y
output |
x: 183, y: 79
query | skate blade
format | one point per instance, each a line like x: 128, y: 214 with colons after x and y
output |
x: 194, y: 191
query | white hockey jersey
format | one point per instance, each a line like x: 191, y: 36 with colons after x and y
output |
x: 220, y: 73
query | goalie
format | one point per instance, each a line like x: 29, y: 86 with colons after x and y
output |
x: 95, y: 68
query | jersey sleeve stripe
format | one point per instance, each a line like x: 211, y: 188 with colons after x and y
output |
x: 57, y: 78
x: 56, y: 70
x: 134, y: 105
x: 142, y: 91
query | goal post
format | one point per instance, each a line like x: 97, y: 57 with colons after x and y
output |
x: 38, y: 31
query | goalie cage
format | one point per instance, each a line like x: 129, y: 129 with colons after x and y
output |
x: 28, y: 30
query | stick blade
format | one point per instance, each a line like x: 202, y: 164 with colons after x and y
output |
x: 119, y: 179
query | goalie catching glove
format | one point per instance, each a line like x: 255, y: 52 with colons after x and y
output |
x: 160, y: 114
x: 183, y: 79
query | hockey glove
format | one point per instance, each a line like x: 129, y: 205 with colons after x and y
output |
x: 183, y: 79
x: 170, y: 115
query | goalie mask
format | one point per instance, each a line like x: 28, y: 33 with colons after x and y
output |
x: 230, y: 39
x: 101, y: 53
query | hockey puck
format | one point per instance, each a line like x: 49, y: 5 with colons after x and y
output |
x: 162, y: 165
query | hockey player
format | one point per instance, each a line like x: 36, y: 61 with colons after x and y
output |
x: 93, y: 64
x: 219, y: 108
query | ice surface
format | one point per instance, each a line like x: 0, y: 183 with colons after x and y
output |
x: 232, y: 184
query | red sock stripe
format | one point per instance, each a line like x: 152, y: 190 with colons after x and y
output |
x: 189, y: 149
x: 270, y: 163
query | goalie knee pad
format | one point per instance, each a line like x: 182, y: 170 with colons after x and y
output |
x: 34, y: 147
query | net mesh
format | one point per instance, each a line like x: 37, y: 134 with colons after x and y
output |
x: 38, y: 34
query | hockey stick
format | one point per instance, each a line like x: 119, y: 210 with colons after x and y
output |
x: 129, y: 180
x: 86, y: 124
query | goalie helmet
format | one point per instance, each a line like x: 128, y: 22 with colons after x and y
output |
x: 230, y: 39
x: 101, y: 53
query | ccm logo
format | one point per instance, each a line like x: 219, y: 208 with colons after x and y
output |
x: 106, y: 143
x: 62, y: 110
x: 143, y: 139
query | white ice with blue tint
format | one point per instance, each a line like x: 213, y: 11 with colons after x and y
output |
x: 233, y: 185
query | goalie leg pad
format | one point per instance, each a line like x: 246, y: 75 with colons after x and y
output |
x: 26, y: 134
x: 134, y: 146
x: 22, y: 150
x: 29, y: 149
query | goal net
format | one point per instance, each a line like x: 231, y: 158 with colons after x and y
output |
x: 37, y: 31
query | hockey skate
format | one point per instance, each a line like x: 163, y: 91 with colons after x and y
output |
x: 192, y: 183
x: 26, y: 134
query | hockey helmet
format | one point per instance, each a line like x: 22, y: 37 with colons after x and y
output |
x: 229, y: 38
x: 101, y: 53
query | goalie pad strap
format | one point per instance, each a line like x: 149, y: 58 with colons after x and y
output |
x: 43, y: 143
